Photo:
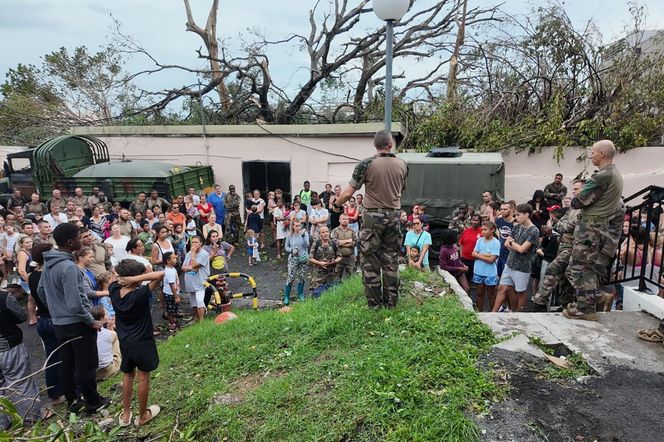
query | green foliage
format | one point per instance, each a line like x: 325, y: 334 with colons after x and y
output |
x: 552, y: 86
x: 67, y: 89
x: 57, y: 429
x: 331, y: 369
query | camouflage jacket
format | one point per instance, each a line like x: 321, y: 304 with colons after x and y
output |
x: 565, y: 227
x: 232, y: 202
x: 601, y: 196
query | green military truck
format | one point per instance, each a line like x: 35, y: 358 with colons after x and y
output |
x: 442, y: 182
x: 68, y: 162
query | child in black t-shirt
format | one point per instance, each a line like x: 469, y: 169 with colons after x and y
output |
x: 254, y: 221
x: 133, y: 324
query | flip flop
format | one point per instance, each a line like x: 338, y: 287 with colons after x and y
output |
x: 123, y: 423
x: 47, y: 414
x: 154, y: 411
x: 651, y: 335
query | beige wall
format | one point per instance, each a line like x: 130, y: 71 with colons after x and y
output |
x: 526, y: 173
x: 324, y: 159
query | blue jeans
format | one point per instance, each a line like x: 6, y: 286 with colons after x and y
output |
x: 46, y: 332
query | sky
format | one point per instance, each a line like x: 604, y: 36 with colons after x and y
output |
x: 31, y: 28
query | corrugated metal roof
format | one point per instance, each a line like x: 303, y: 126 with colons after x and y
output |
x: 250, y: 130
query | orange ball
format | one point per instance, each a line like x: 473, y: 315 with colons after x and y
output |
x: 225, y: 316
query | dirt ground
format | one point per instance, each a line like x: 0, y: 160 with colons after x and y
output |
x: 622, y: 405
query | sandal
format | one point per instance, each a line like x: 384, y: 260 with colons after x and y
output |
x: 651, y: 335
x: 123, y: 423
x: 154, y: 411
x: 572, y: 312
x: 47, y: 414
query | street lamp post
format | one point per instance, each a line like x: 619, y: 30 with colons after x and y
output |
x: 389, y: 11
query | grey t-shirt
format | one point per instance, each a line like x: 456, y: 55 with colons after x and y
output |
x: 522, y: 262
x: 193, y: 281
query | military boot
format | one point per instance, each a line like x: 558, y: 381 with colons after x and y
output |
x: 605, y: 301
x: 300, y: 291
x: 585, y: 308
x: 287, y: 291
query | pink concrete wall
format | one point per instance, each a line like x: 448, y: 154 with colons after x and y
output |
x: 525, y: 173
x: 319, y: 160
x: 331, y: 159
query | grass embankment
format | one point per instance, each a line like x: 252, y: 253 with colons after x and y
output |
x: 329, y: 370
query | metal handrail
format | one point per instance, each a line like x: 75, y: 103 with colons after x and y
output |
x: 644, y: 271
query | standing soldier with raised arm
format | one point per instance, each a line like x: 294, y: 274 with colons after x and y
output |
x: 597, y: 231
x: 384, y: 177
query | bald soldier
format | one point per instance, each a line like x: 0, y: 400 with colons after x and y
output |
x: 596, y: 233
x: 384, y: 178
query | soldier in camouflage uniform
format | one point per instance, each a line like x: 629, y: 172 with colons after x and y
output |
x: 460, y: 219
x: 233, y: 220
x: 555, y: 272
x: 346, y: 239
x: 324, y: 256
x: 384, y: 178
x: 597, y: 231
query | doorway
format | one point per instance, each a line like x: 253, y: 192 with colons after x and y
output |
x: 266, y: 176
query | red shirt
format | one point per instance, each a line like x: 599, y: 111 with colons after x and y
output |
x: 177, y: 218
x: 468, y: 240
x: 206, y: 209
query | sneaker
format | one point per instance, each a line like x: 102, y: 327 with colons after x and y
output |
x: 76, y: 406
x: 103, y: 402
x: 503, y: 309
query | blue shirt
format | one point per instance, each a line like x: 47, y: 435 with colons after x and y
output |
x: 491, y: 247
x: 414, y: 239
x: 219, y: 207
x: 504, y: 231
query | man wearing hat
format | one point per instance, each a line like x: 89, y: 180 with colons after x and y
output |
x: 233, y: 220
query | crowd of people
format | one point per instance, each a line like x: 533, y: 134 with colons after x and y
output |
x: 92, y: 269
x: 115, y: 258
x: 505, y: 249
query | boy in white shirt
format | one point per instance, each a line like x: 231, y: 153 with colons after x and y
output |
x: 108, y: 346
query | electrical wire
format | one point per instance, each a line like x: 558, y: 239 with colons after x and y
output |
x: 304, y: 145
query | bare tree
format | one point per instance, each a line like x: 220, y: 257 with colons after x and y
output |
x: 454, y: 61
x: 209, y: 37
x: 337, y: 48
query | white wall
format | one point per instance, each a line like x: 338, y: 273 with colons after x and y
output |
x: 526, y: 173
x: 319, y: 160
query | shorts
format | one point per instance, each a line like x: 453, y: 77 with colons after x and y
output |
x: 518, y: 280
x: 171, y: 305
x: 197, y: 299
x: 139, y: 354
x: 486, y: 280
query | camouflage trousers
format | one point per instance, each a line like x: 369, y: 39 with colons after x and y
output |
x: 321, y: 277
x: 346, y: 267
x: 232, y: 224
x: 554, y: 275
x: 593, y: 249
x: 380, y: 241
